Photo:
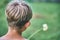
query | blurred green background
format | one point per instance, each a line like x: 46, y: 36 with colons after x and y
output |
x: 44, y: 12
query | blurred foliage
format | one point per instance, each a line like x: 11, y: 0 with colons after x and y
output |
x: 50, y: 14
x: 3, y: 23
x: 43, y: 1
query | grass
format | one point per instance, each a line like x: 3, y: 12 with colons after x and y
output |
x: 43, y: 13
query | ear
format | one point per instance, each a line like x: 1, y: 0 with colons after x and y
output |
x: 27, y: 24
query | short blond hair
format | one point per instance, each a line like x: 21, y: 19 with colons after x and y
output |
x: 18, y: 13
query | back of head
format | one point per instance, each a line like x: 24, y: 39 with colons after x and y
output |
x: 18, y: 13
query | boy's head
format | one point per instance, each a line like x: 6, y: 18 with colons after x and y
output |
x: 18, y: 14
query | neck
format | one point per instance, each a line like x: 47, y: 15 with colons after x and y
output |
x: 12, y: 34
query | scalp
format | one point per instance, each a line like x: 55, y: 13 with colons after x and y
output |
x: 18, y: 13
